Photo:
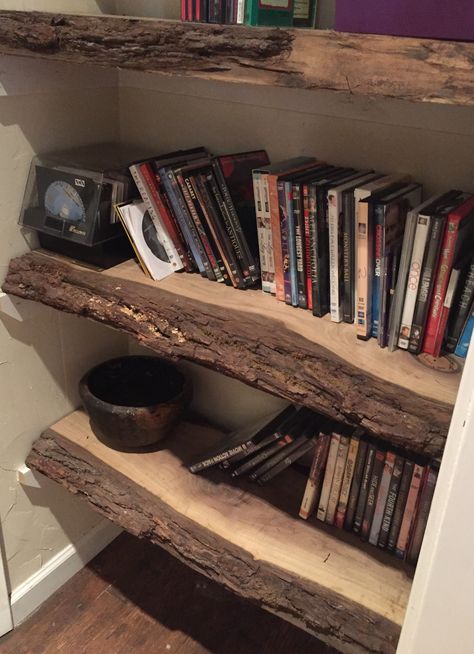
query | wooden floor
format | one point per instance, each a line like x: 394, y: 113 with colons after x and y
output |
x: 134, y: 598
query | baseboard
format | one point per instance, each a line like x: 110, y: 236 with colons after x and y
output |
x: 34, y: 591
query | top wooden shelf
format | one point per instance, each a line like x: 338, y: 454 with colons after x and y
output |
x: 254, y: 338
x: 419, y: 70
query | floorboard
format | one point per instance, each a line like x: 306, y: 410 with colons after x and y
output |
x: 136, y: 598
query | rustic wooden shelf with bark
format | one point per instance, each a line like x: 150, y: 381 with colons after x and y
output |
x: 252, y: 337
x: 420, y: 70
x: 246, y: 537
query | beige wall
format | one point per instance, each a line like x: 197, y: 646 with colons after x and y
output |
x: 42, y: 107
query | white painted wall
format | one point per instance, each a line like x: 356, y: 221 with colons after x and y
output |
x: 42, y: 356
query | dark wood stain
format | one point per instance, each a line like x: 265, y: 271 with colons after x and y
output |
x: 136, y: 598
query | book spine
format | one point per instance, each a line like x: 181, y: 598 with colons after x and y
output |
x: 276, y: 458
x: 423, y: 512
x: 390, y: 272
x: 162, y: 234
x: 291, y: 245
x: 275, y: 226
x: 268, y: 233
x: 377, y: 472
x: 382, y: 498
x: 220, y: 235
x: 391, y: 501
x: 203, y: 236
x: 463, y: 344
x: 313, y: 247
x: 413, y: 282
x: 334, y: 215
x: 401, y: 280
x: 226, y: 207
x: 285, y: 463
x: 221, y: 456
x: 188, y: 230
x: 262, y: 456
x: 298, y: 216
x: 336, y: 484
x: 215, y: 191
x: 460, y: 310
x: 364, y: 488
x: 321, y: 289
x: 355, y: 486
x: 400, y: 504
x: 166, y: 218
x: 240, y: 12
x: 434, y: 332
x: 347, y: 481
x: 425, y: 290
x: 315, y: 478
x: 261, y: 232
x: 348, y: 258
x: 364, y: 272
x: 328, y: 477
x: 285, y: 250
x: 377, y: 268
x: 307, y: 248
x: 409, y: 513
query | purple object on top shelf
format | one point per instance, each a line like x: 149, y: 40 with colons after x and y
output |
x: 437, y: 19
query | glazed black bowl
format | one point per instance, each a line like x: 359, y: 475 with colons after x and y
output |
x: 134, y: 401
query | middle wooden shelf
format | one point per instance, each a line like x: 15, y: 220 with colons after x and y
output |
x: 252, y: 337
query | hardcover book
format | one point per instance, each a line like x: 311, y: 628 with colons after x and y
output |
x: 316, y: 475
x: 278, y: 13
x: 328, y: 477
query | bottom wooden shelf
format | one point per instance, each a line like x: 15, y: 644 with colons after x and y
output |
x: 247, y: 538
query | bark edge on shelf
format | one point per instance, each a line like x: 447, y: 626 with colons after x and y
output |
x: 240, y: 334
x: 420, y: 70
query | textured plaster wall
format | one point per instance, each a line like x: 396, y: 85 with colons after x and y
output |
x: 42, y: 107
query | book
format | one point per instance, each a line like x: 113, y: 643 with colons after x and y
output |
x: 398, y: 512
x: 404, y: 267
x: 267, y: 267
x: 466, y: 335
x: 364, y: 488
x: 376, y: 477
x: 288, y: 432
x: 304, y: 13
x: 278, y: 13
x: 382, y: 497
x: 347, y: 477
x: 424, y: 505
x: 328, y: 477
x: 243, y: 441
x: 336, y: 247
x: 142, y: 182
x: 363, y: 193
x: 278, y: 457
x: 298, y: 217
x: 391, y: 501
x: 237, y: 171
x: 145, y: 239
x: 248, y: 264
x: 392, y: 226
x: 415, y: 267
x: 335, y: 490
x: 316, y: 475
x: 456, y: 245
x: 355, y: 486
x: 286, y: 462
x: 201, y: 179
x: 409, y: 512
x: 462, y: 302
x: 272, y: 235
x: 428, y: 271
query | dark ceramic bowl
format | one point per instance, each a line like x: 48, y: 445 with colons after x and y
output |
x: 134, y: 401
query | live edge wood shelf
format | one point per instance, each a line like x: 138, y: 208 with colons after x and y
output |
x: 245, y: 537
x: 420, y: 70
x: 252, y: 337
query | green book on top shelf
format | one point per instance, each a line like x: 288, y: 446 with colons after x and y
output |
x: 277, y: 13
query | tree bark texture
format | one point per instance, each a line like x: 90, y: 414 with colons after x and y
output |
x: 420, y: 70
x: 342, y: 623
x: 252, y: 348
